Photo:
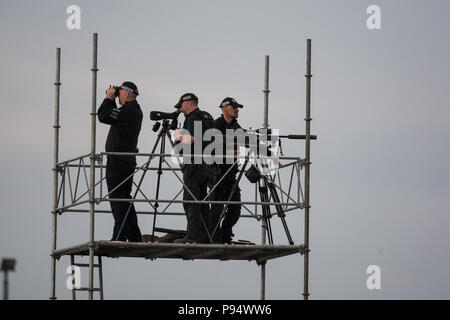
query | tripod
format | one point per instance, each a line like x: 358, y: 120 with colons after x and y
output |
x: 162, y: 135
x: 268, y: 185
x: 265, y: 186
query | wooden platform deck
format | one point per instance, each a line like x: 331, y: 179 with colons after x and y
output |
x: 223, y: 252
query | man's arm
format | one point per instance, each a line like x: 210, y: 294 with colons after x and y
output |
x: 108, y: 112
x: 186, y: 135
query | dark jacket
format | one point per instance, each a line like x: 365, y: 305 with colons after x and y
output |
x: 206, y: 121
x: 125, y: 124
x: 222, y: 125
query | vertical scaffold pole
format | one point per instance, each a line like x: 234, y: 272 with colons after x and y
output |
x: 307, y: 165
x: 56, y: 127
x: 266, y: 94
x: 92, y: 168
x: 265, y: 125
x: 5, y: 285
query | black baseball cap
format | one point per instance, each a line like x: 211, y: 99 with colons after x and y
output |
x: 129, y: 86
x: 230, y: 102
x: 186, y: 97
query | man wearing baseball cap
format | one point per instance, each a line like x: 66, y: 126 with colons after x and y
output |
x: 125, y: 125
x: 195, y: 171
x: 227, y: 121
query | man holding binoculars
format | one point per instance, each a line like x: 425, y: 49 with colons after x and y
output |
x: 123, y: 135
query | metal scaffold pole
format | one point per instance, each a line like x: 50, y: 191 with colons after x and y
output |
x: 265, y: 125
x: 56, y: 127
x: 266, y: 94
x: 92, y: 168
x: 307, y: 165
x: 5, y: 286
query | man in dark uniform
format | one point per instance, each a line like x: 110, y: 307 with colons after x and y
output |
x: 227, y: 121
x: 195, y: 171
x: 122, y: 137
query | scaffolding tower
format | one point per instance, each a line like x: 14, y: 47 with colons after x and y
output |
x: 68, y: 196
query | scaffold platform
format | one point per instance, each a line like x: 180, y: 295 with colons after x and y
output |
x: 78, y: 186
x: 149, y: 250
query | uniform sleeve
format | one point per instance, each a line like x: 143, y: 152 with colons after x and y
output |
x: 109, y: 113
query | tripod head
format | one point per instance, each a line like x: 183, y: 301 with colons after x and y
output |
x: 165, y: 117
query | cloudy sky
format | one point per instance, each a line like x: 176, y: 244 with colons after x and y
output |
x: 379, y: 177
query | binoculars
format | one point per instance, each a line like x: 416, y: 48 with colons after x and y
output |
x: 116, y: 91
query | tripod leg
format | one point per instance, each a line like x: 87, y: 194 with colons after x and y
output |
x: 139, y: 185
x: 230, y: 196
x: 162, y: 151
x: 269, y: 230
x: 266, y: 211
x: 280, y: 211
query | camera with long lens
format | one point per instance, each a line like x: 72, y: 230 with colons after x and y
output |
x: 259, y: 141
x: 165, y: 117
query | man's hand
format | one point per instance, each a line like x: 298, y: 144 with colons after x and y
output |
x: 186, y: 138
x: 176, y: 134
x: 110, y: 93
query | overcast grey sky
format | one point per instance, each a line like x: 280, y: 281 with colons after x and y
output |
x: 379, y: 176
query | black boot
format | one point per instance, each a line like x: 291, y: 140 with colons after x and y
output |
x: 227, y: 236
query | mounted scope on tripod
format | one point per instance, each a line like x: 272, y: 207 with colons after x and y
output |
x: 159, y: 115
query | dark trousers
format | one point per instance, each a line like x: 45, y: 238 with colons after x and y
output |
x: 233, y: 212
x: 195, y: 178
x: 117, y: 170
